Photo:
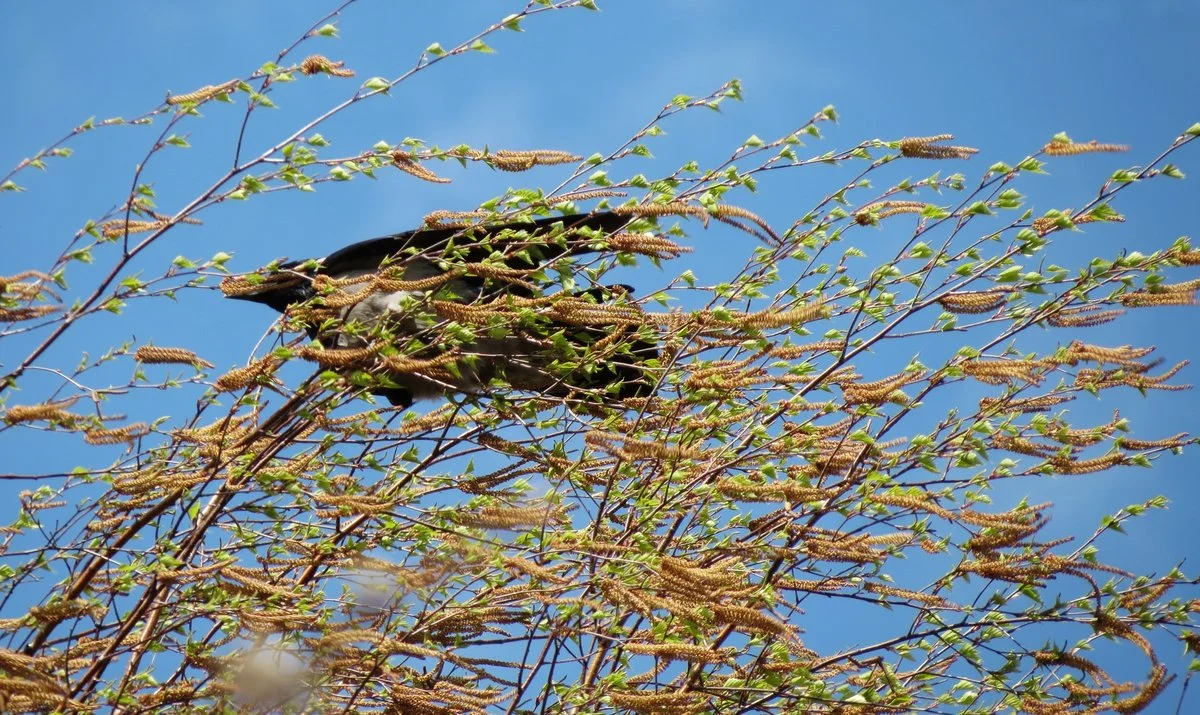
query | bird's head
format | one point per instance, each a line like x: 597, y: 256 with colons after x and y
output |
x: 277, y: 286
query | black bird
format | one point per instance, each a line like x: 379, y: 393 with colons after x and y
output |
x: 519, y: 358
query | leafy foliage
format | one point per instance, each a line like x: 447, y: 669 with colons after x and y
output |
x: 292, y: 546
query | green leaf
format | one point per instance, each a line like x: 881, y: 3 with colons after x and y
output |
x: 753, y: 141
x: 1008, y: 275
x: 377, y: 84
x: 327, y: 30
x: 979, y: 208
x: 1033, y: 166
x: 1104, y: 212
x: 1009, y: 199
x: 1111, y: 522
x: 512, y: 22
x: 435, y: 49
x: 262, y: 100
x: 253, y: 184
x: 921, y: 250
x: 1194, y: 130
x: 11, y: 186
x: 1173, y: 171
x: 481, y: 46
x: 681, y: 100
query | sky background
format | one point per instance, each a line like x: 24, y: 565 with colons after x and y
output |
x: 1001, y: 77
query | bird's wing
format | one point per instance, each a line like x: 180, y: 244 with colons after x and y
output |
x: 476, y: 242
x: 543, y: 240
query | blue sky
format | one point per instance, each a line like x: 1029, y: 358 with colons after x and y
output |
x: 1002, y: 77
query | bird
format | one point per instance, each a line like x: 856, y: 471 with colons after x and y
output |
x: 524, y: 359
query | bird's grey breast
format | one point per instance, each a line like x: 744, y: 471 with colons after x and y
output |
x: 380, y: 305
x: 512, y: 356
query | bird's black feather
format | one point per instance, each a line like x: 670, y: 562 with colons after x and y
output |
x: 521, y: 245
x: 475, y: 242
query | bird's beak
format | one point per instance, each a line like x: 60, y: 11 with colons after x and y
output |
x: 278, y: 290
